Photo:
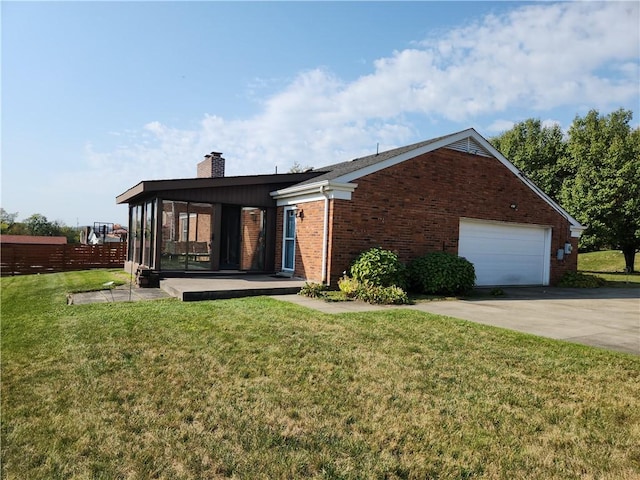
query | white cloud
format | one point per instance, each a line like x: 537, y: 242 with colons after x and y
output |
x: 533, y: 58
x: 500, y: 125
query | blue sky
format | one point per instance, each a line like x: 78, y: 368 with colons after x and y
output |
x: 97, y: 96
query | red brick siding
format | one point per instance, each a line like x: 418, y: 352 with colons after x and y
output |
x: 309, y: 231
x: 415, y: 207
x: 251, y: 221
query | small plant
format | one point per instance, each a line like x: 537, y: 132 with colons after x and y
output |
x: 392, y: 295
x: 379, y: 267
x: 580, y: 280
x: 442, y: 273
x: 313, y: 290
x: 348, y: 286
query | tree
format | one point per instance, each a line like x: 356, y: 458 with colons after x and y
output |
x: 7, y: 220
x: 603, y: 190
x: 38, y: 224
x: 297, y: 168
x: 538, y: 151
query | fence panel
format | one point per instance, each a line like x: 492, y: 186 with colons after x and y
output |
x: 19, y: 259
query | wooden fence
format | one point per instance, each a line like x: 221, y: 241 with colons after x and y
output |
x: 19, y: 259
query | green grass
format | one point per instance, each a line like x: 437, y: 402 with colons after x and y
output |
x: 258, y: 388
x: 609, y: 265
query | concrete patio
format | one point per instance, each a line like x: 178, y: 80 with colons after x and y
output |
x: 233, y: 286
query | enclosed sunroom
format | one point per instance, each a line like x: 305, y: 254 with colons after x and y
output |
x: 205, y: 224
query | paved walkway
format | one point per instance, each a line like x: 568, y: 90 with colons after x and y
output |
x: 119, y: 294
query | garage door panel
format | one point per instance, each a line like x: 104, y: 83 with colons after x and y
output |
x: 505, y: 254
x: 507, y: 246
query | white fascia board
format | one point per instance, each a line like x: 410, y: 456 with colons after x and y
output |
x: 575, y: 225
x: 468, y: 133
x: 577, y: 231
x: 313, y: 192
x: 390, y: 162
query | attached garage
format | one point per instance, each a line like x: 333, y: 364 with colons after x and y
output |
x: 506, y: 253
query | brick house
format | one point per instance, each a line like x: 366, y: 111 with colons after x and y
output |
x: 454, y: 193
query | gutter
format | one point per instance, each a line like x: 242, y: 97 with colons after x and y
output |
x: 325, y: 234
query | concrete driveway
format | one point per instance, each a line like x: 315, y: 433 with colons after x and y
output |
x: 602, y: 317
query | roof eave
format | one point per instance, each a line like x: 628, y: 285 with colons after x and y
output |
x: 313, y: 192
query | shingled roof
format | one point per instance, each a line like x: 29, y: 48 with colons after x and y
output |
x: 338, y: 170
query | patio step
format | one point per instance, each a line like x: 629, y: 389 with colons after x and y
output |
x: 218, y: 288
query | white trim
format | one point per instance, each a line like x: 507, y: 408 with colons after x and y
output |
x: 390, y: 162
x: 502, y: 222
x: 341, y: 188
x: 325, y: 240
x: 577, y: 231
x: 313, y: 192
x: 452, y: 139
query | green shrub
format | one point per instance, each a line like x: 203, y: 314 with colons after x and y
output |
x: 441, y: 273
x: 379, y: 267
x: 348, y: 286
x: 392, y: 295
x: 313, y: 290
x: 580, y: 280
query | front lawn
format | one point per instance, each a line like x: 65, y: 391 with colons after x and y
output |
x: 259, y: 388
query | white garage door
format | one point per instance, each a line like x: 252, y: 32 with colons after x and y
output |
x: 505, y: 253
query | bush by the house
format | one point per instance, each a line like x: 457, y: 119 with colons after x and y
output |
x: 348, y: 286
x: 312, y: 290
x: 441, y: 273
x: 580, y: 280
x: 379, y: 267
x: 392, y: 295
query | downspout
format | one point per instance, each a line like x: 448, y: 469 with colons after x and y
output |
x: 325, y: 234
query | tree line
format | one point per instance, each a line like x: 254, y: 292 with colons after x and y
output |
x: 36, y: 224
x: 593, y: 172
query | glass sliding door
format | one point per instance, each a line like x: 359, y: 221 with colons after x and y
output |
x: 173, y: 244
x: 148, y: 234
x: 186, y: 235
x: 199, y: 236
x: 135, y: 235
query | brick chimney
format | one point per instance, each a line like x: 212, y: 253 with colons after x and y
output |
x: 212, y: 166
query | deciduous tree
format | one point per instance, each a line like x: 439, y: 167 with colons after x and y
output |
x: 538, y: 151
x: 603, y: 190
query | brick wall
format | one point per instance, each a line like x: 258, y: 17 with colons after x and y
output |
x: 309, y: 231
x: 252, y: 246
x: 414, y: 208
